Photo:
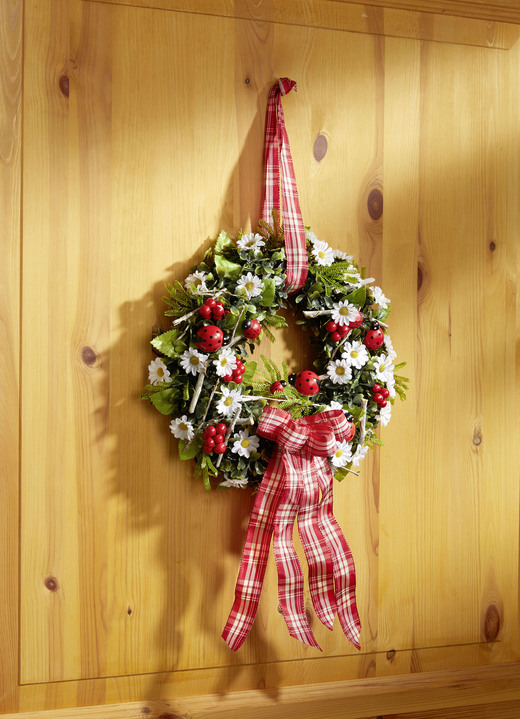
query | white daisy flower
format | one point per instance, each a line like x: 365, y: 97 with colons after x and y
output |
x: 158, y: 372
x: 343, y: 313
x: 390, y: 385
x: 358, y: 455
x: 383, y: 368
x: 379, y: 298
x: 342, y: 455
x: 182, y: 428
x: 385, y: 414
x: 229, y: 402
x: 339, y: 255
x: 198, y: 279
x: 252, y: 241
x: 339, y: 371
x: 391, y: 353
x: 250, y: 285
x: 192, y: 361
x: 245, y: 443
x: 323, y: 253
x: 311, y: 237
x: 226, y: 362
x: 355, y: 353
x: 239, y: 483
x: 333, y: 405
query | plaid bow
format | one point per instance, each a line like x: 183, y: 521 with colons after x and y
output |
x: 291, y: 486
x: 279, y: 169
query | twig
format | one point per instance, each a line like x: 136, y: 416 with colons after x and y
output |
x: 198, y: 389
x: 362, y: 424
x: 340, y: 344
x: 184, y: 317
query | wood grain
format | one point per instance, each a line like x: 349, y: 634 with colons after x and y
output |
x: 374, y: 18
x: 147, y: 149
x: 421, y: 694
x: 11, y: 28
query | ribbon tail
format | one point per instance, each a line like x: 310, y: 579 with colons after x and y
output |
x: 319, y: 560
x: 290, y: 574
x: 343, y: 561
x: 255, y: 554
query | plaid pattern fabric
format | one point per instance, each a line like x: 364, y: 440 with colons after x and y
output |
x: 280, y: 179
x: 291, y: 487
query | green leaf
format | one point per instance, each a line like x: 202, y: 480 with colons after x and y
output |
x: 189, y: 450
x: 165, y: 343
x: 358, y: 297
x: 223, y: 243
x: 268, y: 292
x: 226, y: 269
x: 164, y: 400
x: 186, y: 392
x: 250, y: 371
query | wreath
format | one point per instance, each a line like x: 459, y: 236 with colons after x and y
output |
x: 203, y: 376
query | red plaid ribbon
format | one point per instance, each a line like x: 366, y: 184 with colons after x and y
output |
x: 279, y: 175
x: 291, y: 486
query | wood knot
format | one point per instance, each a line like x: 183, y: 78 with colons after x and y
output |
x: 492, y: 246
x: 51, y: 583
x: 63, y: 84
x: 477, y: 437
x: 320, y: 148
x: 375, y: 204
x: 247, y: 81
x: 89, y: 356
x: 390, y: 654
x: 492, y: 623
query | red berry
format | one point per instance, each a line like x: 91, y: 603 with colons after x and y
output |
x: 226, y: 312
x: 331, y: 326
x: 376, y: 388
x: 210, y: 302
x: 210, y: 431
x: 335, y: 336
x: 208, y: 448
x: 228, y: 378
x: 343, y: 330
x: 385, y: 392
x: 209, y: 442
x: 378, y: 397
x: 205, y: 312
x: 221, y: 428
x: 219, y: 448
x: 237, y: 378
x: 219, y: 438
x: 383, y: 403
x: 218, y: 312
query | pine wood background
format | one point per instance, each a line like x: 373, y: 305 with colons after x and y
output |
x: 135, y: 136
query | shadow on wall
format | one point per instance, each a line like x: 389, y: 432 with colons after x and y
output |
x: 167, y: 522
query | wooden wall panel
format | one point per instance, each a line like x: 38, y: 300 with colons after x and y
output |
x: 11, y: 15
x: 136, y: 154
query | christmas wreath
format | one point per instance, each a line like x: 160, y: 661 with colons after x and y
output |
x: 203, y: 376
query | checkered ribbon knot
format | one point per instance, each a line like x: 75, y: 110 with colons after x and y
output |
x: 280, y: 180
x: 298, y: 473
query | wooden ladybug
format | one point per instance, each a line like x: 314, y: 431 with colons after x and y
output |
x: 307, y: 382
x: 356, y: 322
x: 211, y: 338
x: 251, y: 329
x: 278, y: 386
x: 351, y: 429
x: 374, y: 338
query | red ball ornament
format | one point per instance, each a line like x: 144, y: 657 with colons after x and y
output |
x: 210, y: 339
x: 307, y: 383
x: 251, y: 329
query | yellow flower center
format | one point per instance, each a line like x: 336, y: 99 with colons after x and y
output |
x: 223, y: 362
x: 340, y: 370
x: 250, y: 286
x: 228, y: 401
x: 343, y: 311
x: 354, y: 354
x: 245, y: 443
x: 321, y: 255
x: 381, y: 368
x: 160, y: 372
x: 339, y: 453
x: 183, y: 427
x: 194, y: 360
